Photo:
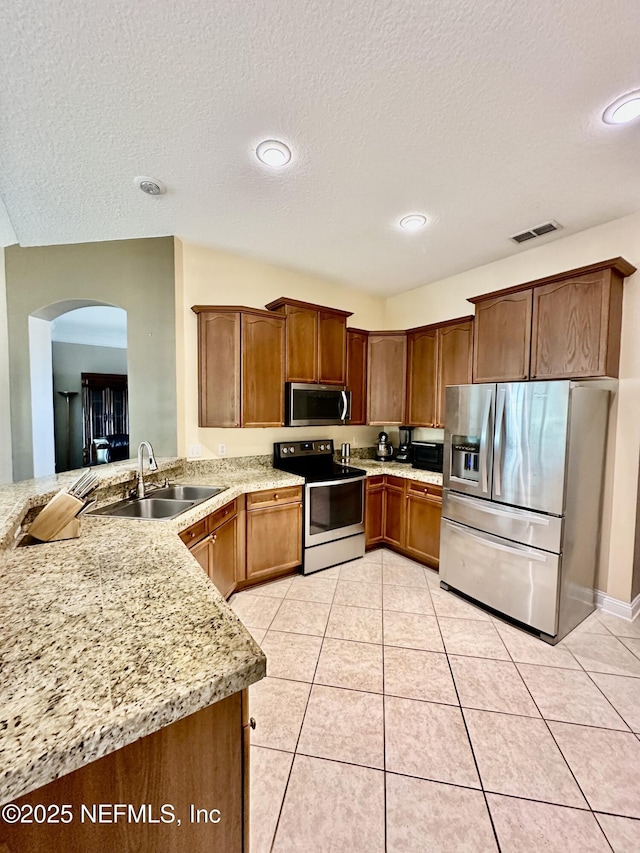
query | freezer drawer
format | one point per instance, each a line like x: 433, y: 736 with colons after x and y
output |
x: 519, y: 525
x: 516, y: 580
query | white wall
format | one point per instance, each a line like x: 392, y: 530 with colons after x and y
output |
x: 206, y: 276
x: 41, y: 370
x: 6, y: 472
x: 445, y: 299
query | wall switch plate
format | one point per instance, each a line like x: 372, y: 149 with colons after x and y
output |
x: 195, y: 450
x: 222, y: 450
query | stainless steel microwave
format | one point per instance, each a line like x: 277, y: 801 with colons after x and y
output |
x: 316, y: 405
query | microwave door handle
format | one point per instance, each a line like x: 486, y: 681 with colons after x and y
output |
x: 343, y: 416
x: 484, y: 474
x: 497, y: 442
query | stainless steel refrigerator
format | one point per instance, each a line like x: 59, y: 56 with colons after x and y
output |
x: 523, y: 481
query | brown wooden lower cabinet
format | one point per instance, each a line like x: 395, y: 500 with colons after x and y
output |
x: 194, y: 766
x: 274, y: 540
x: 404, y: 514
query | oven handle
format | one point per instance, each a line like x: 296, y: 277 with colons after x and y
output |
x: 336, y: 482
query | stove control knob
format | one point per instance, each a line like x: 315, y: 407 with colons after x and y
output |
x: 285, y: 449
x: 292, y: 450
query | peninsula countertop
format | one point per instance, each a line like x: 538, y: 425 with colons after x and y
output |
x: 114, y: 635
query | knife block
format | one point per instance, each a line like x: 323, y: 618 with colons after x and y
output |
x: 57, y: 520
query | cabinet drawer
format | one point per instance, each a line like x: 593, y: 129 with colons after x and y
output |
x: 396, y: 482
x: 196, y: 532
x: 221, y: 515
x: 375, y: 482
x: 274, y: 497
x: 415, y: 487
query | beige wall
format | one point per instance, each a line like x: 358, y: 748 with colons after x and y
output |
x: 445, y: 299
x: 5, y: 408
x: 206, y: 276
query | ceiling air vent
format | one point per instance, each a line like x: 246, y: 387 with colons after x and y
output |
x: 538, y: 231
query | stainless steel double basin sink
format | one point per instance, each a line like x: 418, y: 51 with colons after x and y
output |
x: 162, y: 504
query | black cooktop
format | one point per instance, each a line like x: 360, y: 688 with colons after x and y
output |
x: 312, y: 460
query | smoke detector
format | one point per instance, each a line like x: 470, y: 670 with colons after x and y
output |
x: 538, y: 231
x: 150, y: 186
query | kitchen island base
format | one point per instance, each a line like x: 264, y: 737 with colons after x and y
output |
x: 181, y: 788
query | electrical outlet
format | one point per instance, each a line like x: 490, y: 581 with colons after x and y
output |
x: 222, y: 450
x: 195, y: 450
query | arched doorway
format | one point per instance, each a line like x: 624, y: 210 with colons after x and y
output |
x: 79, y: 399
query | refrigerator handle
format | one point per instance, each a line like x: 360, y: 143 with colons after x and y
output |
x: 497, y: 442
x: 484, y: 473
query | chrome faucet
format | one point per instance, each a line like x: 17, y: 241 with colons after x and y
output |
x: 153, y: 465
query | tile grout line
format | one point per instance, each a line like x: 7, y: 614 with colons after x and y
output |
x: 557, y: 745
x: 295, y: 751
x: 464, y: 722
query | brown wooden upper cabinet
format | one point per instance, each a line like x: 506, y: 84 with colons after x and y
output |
x: 437, y: 355
x: 316, y: 341
x: 357, y: 341
x: 386, y: 378
x: 559, y: 327
x: 241, y: 367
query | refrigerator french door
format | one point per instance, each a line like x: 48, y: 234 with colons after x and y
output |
x: 523, y: 477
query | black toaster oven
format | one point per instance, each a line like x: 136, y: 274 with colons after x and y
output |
x: 428, y: 455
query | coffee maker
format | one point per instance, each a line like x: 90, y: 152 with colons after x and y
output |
x: 404, y: 449
x: 384, y: 450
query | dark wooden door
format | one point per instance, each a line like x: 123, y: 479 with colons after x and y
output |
x: 224, y: 556
x: 386, y: 382
x: 262, y: 370
x: 274, y: 540
x: 302, y: 344
x: 422, y: 538
x: 219, y: 369
x: 394, y: 516
x: 374, y: 511
x: 332, y: 348
x: 422, y: 373
x: 502, y: 340
x: 455, y: 361
x: 357, y: 374
x: 570, y: 320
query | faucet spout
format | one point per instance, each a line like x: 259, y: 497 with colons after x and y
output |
x: 153, y: 465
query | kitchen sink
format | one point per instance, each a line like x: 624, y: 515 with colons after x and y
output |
x: 162, y: 504
x: 186, y: 493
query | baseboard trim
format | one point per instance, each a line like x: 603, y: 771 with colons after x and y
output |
x: 615, y: 607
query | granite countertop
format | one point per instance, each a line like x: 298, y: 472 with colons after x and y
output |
x: 109, y: 637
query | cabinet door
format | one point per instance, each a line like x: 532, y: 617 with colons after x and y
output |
x: 224, y: 556
x: 374, y: 516
x: 302, y: 344
x: 201, y: 552
x: 332, y: 348
x: 455, y: 358
x: 357, y: 375
x: 219, y: 369
x: 394, y: 517
x: 422, y: 539
x: 502, y: 340
x: 274, y: 540
x: 387, y: 356
x: 570, y: 323
x: 422, y: 372
x: 262, y: 371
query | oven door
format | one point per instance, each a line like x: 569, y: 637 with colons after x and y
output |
x: 333, y: 509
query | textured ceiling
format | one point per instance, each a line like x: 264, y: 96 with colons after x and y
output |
x: 98, y: 325
x: 483, y: 114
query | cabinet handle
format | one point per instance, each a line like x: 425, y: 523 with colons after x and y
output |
x: 275, y: 497
x: 252, y: 722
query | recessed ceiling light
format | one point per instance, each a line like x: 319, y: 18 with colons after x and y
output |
x: 150, y: 186
x: 273, y: 153
x: 626, y: 108
x: 413, y: 222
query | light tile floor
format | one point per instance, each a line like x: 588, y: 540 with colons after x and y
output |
x: 398, y: 717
